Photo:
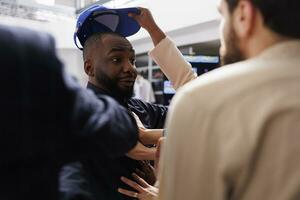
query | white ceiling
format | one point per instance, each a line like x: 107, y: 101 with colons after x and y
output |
x: 195, y: 21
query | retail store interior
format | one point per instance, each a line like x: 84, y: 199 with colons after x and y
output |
x: 150, y: 99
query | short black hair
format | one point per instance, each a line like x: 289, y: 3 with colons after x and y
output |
x: 281, y: 16
x: 92, y: 41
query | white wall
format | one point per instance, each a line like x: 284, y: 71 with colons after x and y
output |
x: 72, y: 59
x: 62, y: 29
x: 176, y: 14
x: 171, y: 15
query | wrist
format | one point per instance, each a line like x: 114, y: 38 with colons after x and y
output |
x: 151, y: 136
x: 150, y: 154
x: 152, y: 29
x: 143, y: 135
x: 156, y: 34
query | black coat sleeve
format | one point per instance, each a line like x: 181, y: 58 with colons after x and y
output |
x: 100, y: 125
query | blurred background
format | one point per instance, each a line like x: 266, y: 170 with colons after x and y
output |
x: 192, y: 24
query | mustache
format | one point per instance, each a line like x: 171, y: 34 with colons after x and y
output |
x: 128, y: 77
x: 127, y: 80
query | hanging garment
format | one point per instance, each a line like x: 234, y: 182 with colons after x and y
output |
x: 143, y: 89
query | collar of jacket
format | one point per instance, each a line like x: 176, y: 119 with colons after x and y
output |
x: 98, y: 91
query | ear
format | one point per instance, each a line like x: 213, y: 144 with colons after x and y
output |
x: 88, y: 68
x: 244, y: 19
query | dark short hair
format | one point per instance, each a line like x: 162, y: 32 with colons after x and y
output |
x: 92, y: 40
x: 281, y: 16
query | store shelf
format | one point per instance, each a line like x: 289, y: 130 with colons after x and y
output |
x: 146, y: 67
x: 156, y: 80
x: 158, y: 93
x: 35, y: 11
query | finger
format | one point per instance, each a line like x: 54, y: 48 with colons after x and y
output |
x: 149, y: 165
x: 160, y: 142
x: 141, y: 181
x: 146, y: 165
x: 128, y: 193
x: 137, y: 119
x: 143, y: 164
x: 159, y: 147
x: 132, y: 184
x: 133, y: 15
x: 141, y: 10
x: 140, y: 173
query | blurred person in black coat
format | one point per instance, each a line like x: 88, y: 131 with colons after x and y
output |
x: 48, y: 120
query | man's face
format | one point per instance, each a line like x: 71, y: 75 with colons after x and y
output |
x: 114, y: 67
x: 230, y: 51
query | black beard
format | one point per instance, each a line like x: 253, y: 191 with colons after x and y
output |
x: 233, y: 53
x: 111, y: 85
x: 127, y: 94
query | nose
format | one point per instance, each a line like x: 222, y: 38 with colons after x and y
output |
x: 129, y: 67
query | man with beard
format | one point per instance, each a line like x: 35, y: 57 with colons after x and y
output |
x: 109, y: 60
x: 241, y: 121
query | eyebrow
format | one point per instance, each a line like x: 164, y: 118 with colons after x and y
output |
x: 115, y: 49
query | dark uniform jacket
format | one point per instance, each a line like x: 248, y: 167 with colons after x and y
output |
x: 99, y: 177
x: 47, y: 120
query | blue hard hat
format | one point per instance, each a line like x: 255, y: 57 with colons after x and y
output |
x: 99, y: 19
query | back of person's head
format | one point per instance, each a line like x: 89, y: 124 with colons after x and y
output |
x: 281, y: 16
x: 33, y: 112
x: 32, y: 104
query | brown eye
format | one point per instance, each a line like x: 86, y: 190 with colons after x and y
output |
x: 132, y: 61
x: 116, y: 60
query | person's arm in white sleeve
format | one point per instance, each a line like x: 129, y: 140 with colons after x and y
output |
x: 165, y: 52
x: 172, y: 63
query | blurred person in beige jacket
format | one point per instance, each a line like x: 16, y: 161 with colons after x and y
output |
x: 232, y: 133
